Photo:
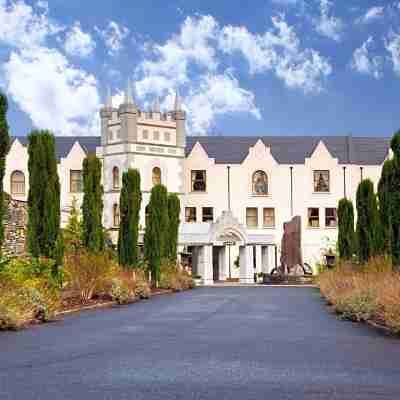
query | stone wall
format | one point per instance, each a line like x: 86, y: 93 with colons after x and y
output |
x: 15, y: 227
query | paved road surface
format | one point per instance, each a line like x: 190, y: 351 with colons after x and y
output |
x: 222, y: 343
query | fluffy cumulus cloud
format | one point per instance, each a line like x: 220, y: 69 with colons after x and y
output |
x: 79, y: 43
x: 392, y: 44
x: 113, y: 36
x: 327, y: 24
x: 54, y: 93
x: 366, y: 63
x: 279, y: 51
x: 372, y: 14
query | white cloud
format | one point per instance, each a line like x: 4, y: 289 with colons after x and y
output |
x: 278, y: 50
x: 392, y: 45
x: 78, y: 43
x: 55, y: 95
x: 328, y: 25
x: 365, y: 63
x: 372, y: 14
x: 114, y: 36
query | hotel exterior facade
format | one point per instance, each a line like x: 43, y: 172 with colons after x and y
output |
x: 236, y: 192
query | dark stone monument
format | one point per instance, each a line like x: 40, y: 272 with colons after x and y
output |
x: 291, y: 255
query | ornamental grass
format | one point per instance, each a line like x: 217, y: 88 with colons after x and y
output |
x: 369, y: 292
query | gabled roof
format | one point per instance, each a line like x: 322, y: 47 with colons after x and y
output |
x: 294, y: 149
x: 285, y: 149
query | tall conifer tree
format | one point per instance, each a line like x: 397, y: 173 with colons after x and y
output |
x: 368, y: 240
x: 395, y: 199
x: 346, y: 237
x: 174, y: 210
x: 44, y: 195
x: 156, y: 234
x: 92, y: 205
x: 130, y: 201
x: 4, y: 147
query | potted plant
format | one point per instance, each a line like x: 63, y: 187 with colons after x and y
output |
x: 260, y: 277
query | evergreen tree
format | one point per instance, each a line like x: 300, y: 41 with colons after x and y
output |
x: 130, y: 201
x: 156, y: 234
x: 395, y: 199
x: 346, y: 238
x: 174, y: 210
x: 92, y: 205
x: 4, y: 147
x: 368, y: 240
x: 385, y: 191
x: 44, y: 195
x: 73, y: 230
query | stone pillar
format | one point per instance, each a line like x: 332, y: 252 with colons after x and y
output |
x: 259, y: 263
x: 223, y: 259
x: 246, y: 264
x: 266, y: 261
x: 205, y: 266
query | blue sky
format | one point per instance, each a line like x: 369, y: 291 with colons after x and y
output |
x: 274, y: 67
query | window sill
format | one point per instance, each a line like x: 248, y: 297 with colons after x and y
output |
x: 331, y: 227
x: 269, y: 227
x: 313, y: 228
x: 260, y: 195
x: 198, y: 192
x: 319, y: 193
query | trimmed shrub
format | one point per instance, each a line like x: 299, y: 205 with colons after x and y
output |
x: 174, y: 210
x: 175, y: 278
x: 142, y: 287
x: 346, y: 237
x: 395, y: 200
x: 121, y: 291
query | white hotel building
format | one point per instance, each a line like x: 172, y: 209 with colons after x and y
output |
x: 236, y: 192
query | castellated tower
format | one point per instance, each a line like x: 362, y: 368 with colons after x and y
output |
x: 151, y: 141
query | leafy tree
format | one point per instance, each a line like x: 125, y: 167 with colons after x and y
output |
x: 130, y: 201
x: 346, y: 238
x: 44, y: 195
x: 4, y: 147
x: 385, y: 192
x: 156, y: 234
x: 174, y: 210
x: 368, y: 240
x: 73, y: 230
x: 395, y: 199
x: 92, y: 205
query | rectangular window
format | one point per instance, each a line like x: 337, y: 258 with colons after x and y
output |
x: 190, y: 214
x: 156, y: 135
x: 198, y: 178
x: 252, y: 217
x: 330, y: 217
x: 269, y: 218
x: 145, y: 134
x: 208, y: 214
x: 76, y: 181
x: 321, y: 181
x: 313, y: 217
x: 167, y: 136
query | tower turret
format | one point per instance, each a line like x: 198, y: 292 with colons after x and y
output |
x: 180, y: 118
x: 128, y: 114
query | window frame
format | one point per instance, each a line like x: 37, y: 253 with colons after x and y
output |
x: 311, y: 218
x: 254, y: 217
x: 71, y: 173
x: 210, y: 216
x: 116, y: 185
x: 188, y: 218
x: 272, y: 226
x: 194, y: 181
x: 331, y: 217
x: 254, y: 192
x: 22, y: 183
x: 116, y: 215
x: 315, y: 184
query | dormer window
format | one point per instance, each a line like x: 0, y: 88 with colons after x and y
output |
x: 321, y: 181
x: 260, y: 183
x: 198, y: 181
x: 76, y: 181
x: 18, y: 183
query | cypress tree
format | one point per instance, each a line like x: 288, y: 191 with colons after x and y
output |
x: 174, y: 210
x: 92, y: 205
x: 43, y: 196
x: 385, y: 207
x: 368, y: 240
x: 4, y: 147
x: 395, y: 199
x: 130, y: 201
x: 156, y: 234
x: 346, y: 238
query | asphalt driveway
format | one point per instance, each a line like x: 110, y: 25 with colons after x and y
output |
x: 210, y: 343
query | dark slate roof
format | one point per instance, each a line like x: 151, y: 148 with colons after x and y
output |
x: 285, y: 149
x: 294, y: 149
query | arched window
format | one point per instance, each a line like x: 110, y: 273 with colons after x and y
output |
x: 18, y: 183
x: 260, y: 183
x: 156, y: 176
x: 116, y: 214
x: 115, y: 178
